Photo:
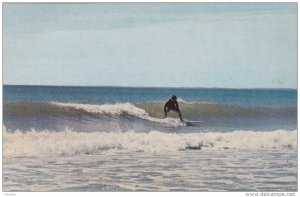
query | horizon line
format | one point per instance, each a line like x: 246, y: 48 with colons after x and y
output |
x: 175, y: 87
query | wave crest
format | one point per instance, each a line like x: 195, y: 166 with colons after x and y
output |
x: 113, y: 109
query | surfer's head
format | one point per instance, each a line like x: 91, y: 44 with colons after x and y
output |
x: 174, y: 97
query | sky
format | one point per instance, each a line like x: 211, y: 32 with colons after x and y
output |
x: 225, y: 45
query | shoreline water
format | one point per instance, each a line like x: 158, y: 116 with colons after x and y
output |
x: 194, y: 170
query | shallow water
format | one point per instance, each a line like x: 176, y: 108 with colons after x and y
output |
x: 190, y: 170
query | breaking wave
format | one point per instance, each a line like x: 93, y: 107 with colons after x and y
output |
x: 68, y: 142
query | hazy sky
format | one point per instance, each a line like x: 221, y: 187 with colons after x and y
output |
x: 227, y: 45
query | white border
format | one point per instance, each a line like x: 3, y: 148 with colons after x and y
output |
x: 134, y: 194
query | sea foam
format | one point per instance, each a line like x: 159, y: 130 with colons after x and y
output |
x: 68, y: 142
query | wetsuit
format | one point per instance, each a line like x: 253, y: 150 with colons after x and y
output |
x: 172, y: 105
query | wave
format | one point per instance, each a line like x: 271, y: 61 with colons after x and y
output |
x: 68, y: 142
x: 145, y: 110
x: 120, y: 109
x: 144, y: 116
x: 72, y: 108
x: 113, y: 109
x: 84, y: 112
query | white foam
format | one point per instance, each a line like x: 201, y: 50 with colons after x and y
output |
x: 180, y: 100
x: 121, y: 108
x: 67, y: 142
x: 114, y: 109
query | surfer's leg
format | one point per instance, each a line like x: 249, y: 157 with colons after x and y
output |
x: 166, y: 112
x: 179, y: 113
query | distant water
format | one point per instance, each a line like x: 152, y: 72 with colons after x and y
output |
x: 88, y: 130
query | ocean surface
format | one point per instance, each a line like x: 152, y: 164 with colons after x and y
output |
x: 116, y: 139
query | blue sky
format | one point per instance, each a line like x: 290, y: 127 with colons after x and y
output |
x: 228, y: 45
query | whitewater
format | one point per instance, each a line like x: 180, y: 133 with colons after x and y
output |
x: 116, y: 139
x: 68, y: 142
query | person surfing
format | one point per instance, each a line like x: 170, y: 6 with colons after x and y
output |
x: 172, y: 105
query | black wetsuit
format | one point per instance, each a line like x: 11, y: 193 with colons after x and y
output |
x: 171, y: 105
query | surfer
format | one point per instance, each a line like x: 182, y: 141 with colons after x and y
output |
x: 172, y: 105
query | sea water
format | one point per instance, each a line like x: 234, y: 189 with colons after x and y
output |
x: 116, y: 139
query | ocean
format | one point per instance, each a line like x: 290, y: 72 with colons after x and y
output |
x: 117, y: 139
